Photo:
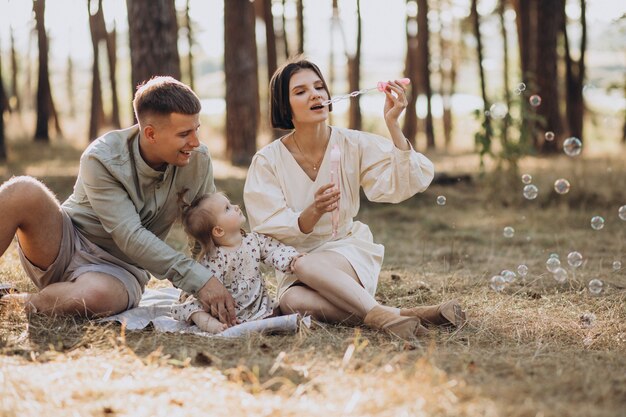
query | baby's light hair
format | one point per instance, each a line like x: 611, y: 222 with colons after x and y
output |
x: 198, y: 223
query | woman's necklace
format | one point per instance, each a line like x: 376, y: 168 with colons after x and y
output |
x: 315, y: 165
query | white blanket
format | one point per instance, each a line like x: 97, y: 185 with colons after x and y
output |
x: 155, y: 305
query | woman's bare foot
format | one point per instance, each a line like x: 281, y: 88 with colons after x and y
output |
x: 207, y: 322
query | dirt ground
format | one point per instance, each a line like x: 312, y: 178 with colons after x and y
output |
x: 537, y: 348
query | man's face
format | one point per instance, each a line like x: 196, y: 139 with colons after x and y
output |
x: 171, y: 140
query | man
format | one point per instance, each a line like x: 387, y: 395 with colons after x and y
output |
x: 92, y: 254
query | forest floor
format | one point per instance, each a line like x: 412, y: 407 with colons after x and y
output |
x: 537, y: 348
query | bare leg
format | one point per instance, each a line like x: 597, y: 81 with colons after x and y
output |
x: 331, y: 275
x: 305, y: 301
x: 32, y: 212
x: 92, y: 294
x: 207, y: 322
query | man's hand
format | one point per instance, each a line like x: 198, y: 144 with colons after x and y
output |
x: 218, y: 301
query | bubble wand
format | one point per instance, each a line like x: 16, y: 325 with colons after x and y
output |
x: 380, y: 86
x: 335, y: 178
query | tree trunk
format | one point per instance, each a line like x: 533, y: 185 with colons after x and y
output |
x: 111, y: 41
x: 424, y: 60
x: 410, y: 71
x: 575, y: 77
x: 190, y: 42
x: 15, y: 97
x: 69, y: 83
x: 242, y: 87
x: 546, y: 74
x: 526, y: 22
x: 300, y: 25
x: 505, y: 68
x: 96, y: 117
x: 283, y: 33
x: 270, y: 39
x: 45, y: 105
x: 354, y: 75
x: 153, y: 33
x: 4, y: 104
x: 447, y: 71
x: 483, y: 88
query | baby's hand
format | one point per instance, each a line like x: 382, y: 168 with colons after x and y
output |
x: 292, y: 265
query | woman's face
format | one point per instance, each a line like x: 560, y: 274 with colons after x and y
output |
x: 306, y: 94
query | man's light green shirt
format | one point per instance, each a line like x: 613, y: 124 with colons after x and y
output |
x: 127, y: 208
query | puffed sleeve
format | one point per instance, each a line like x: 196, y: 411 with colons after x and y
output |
x: 273, y: 253
x: 266, y: 205
x: 389, y: 174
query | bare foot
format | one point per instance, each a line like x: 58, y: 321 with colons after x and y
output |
x: 207, y: 322
x: 19, y: 300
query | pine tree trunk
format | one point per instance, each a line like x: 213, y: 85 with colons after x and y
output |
x: 549, y: 20
x: 190, y: 43
x: 96, y: 117
x: 424, y: 60
x: 69, y: 84
x: 242, y: 86
x: 15, y: 96
x: 300, y: 25
x: 410, y: 71
x: 153, y: 33
x: 111, y: 40
x: 283, y: 33
x: 45, y: 105
x: 270, y: 39
x: 354, y: 75
x: 575, y: 77
x: 505, y: 68
x: 479, y: 53
x: 4, y: 104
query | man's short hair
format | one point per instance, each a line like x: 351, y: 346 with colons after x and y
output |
x: 162, y: 96
x: 280, y: 109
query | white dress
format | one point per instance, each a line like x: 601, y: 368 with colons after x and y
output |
x: 277, y: 190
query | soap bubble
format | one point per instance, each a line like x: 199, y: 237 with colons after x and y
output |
x: 622, y: 212
x: 508, y: 232
x: 522, y: 270
x: 531, y: 191
x: 497, y: 283
x: 587, y: 320
x: 521, y: 86
x: 509, y: 276
x: 572, y: 146
x: 517, y: 91
x: 575, y: 259
x: 498, y: 111
x: 549, y: 136
x: 535, y: 100
x: 617, y: 265
x: 441, y: 200
x: 595, y: 286
x: 597, y: 222
x: 554, y: 255
x: 553, y: 264
x: 527, y: 178
x: 560, y: 275
x: 561, y: 186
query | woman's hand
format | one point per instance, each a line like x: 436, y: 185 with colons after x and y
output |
x: 326, y: 199
x: 394, y: 104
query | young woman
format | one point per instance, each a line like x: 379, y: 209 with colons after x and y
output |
x: 289, y: 195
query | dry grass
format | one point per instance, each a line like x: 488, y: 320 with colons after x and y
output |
x: 525, y: 351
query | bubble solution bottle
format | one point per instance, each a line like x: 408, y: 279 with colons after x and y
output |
x: 335, y: 178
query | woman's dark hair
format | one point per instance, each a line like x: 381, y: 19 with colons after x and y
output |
x: 280, y: 109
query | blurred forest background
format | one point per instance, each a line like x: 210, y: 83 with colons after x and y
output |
x: 489, y: 76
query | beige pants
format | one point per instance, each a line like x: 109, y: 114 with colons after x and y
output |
x: 77, y: 255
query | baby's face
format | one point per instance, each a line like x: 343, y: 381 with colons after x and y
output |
x: 228, y: 216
